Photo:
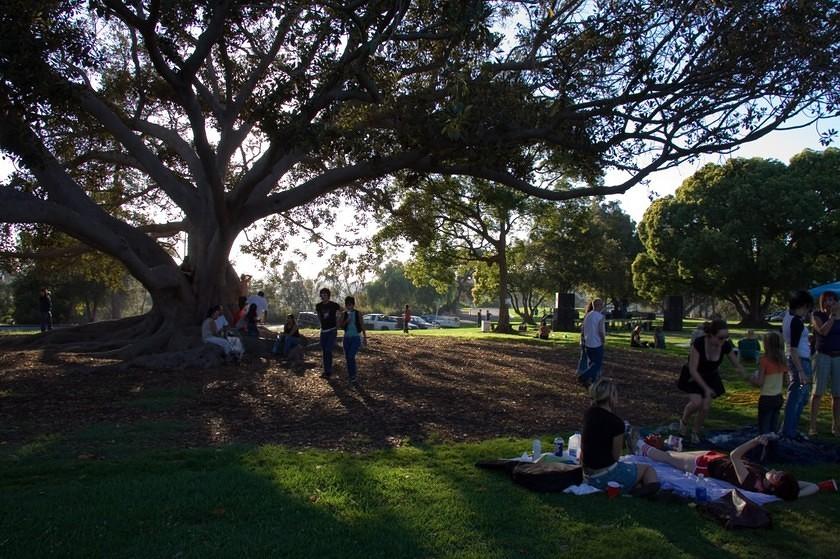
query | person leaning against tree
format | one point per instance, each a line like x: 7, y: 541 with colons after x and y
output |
x: 826, y: 323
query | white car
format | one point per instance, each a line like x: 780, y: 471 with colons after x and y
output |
x: 422, y: 323
x: 447, y: 321
x: 377, y: 321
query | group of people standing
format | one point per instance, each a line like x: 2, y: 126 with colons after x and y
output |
x: 350, y: 320
x: 792, y: 351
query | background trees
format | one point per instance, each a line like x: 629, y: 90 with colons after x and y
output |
x: 746, y: 231
x: 204, y: 117
x: 471, y: 221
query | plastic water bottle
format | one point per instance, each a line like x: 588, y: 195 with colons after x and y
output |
x: 701, y: 493
x: 574, y: 445
x: 536, y: 448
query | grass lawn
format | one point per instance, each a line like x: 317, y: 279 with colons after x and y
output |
x: 418, y: 500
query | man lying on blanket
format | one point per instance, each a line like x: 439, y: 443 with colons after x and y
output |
x: 734, y: 469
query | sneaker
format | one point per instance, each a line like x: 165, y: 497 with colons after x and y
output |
x: 583, y: 382
x: 695, y: 438
x: 354, y: 383
x: 325, y: 376
x: 828, y: 486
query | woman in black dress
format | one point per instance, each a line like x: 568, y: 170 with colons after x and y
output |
x: 700, y: 378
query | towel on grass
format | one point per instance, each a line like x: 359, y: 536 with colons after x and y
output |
x: 684, y: 485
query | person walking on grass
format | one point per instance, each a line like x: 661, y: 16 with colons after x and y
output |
x: 328, y: 317
x: 826, y: 323
x: 594, y: 335
x: 700, y: 377
x: 798, y: 350
x: 406, y: 318
x: 770, y: 378
x: 354, y: 333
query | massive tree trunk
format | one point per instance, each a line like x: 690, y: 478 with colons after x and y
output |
x: 503, y: 324
x: 751, y: 308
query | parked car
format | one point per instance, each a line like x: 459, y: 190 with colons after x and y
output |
x: 376, y: 321
x: 447, y: 321
x: 775, y: 316
x: 422, y: 323
x: 307, y: 320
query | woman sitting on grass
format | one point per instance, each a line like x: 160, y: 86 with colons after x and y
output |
x: 736, y: 470
x: 602, y: 441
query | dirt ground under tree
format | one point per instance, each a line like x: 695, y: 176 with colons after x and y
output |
x: 412, y: 389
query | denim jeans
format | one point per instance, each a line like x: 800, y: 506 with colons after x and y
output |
x: 583, y: 362
x: 351, y: 348
x: 46, y: 321
x: 769, y: 409
x: 327, y: 345
x: 798, y: 395
x: 289, y: 342
x: 595, y: 358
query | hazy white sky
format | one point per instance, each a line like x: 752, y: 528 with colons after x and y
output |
x: 781, y: 145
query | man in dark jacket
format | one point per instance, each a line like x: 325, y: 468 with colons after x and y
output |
x: 45, y: 306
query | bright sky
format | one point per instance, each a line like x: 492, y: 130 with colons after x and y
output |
x: 781, y: 145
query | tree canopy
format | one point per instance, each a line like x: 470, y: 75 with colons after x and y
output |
x: 746, y: 231
x: 131, y: 120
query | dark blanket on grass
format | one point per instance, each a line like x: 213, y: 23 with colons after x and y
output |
x: 783, y: 450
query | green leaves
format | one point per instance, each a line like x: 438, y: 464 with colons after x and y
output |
x: 746, y: 231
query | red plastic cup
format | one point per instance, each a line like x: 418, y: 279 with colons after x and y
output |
x: 613, y: 489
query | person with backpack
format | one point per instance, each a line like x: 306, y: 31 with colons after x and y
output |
x: 354, y: 333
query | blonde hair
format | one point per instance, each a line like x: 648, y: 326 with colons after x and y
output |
x: 603, y: 391
x: 774, y: 348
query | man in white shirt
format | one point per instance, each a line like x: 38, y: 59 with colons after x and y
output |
x: 798, y: 351
x: 261, y: 303
x: 594, y: 334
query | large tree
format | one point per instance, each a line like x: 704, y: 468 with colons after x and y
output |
x: 209, y: 115
x: 747, y: 231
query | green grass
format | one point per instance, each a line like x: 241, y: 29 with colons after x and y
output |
x: 109, y: 491
x: 410, y: 502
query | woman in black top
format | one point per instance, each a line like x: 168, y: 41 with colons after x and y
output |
x: 602, y: 441
x: 700, y: 378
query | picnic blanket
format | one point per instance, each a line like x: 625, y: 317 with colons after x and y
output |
x: 788, y: 451
x: 684, y: 484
